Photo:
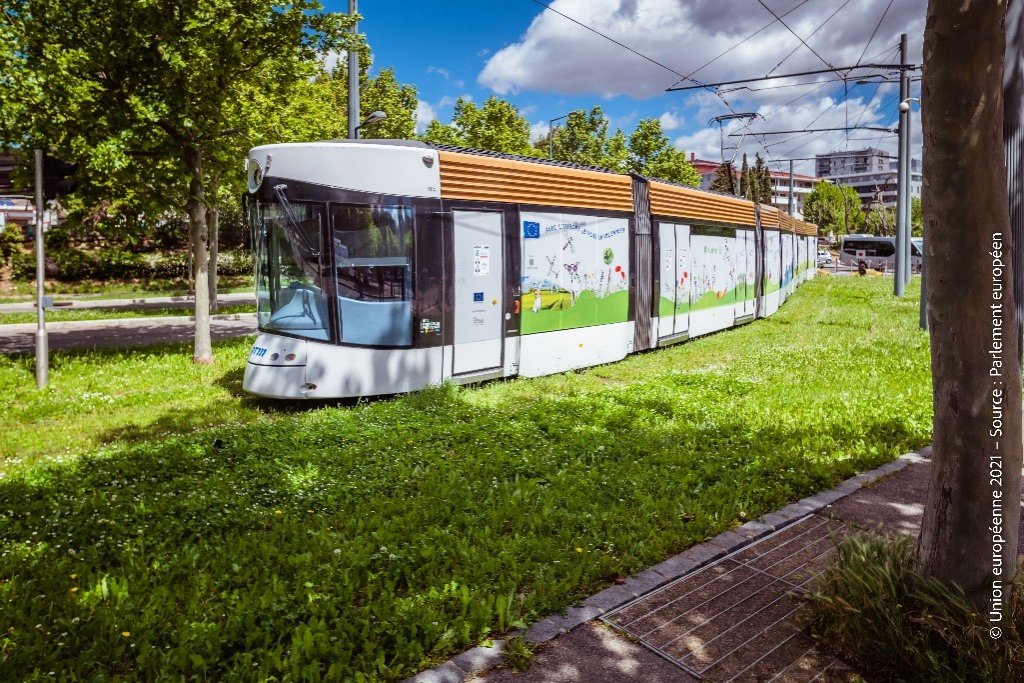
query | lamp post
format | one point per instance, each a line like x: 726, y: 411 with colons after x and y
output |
x: 353, y: 77
x: 375, y: 117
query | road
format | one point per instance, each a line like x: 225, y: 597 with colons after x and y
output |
x: 121, y: 333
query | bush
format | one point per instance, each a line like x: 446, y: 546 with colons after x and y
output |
x: 874, y: 609
x: 10, y: 243
x: 113, y: 263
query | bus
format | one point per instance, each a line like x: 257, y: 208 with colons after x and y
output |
x: 387, y: 266
x: 877, y: 252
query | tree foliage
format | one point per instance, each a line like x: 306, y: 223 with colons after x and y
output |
x: 130, y: 86
x: 496, y: 125
x: 834, y: 208
x: 651, y: 154
x: 724, y: 180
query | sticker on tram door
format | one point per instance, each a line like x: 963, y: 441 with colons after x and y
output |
x: 478, y: 297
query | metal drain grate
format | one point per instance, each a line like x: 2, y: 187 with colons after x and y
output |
x: 733, y: 620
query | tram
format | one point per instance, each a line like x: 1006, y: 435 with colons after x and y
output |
x: 386, y: 266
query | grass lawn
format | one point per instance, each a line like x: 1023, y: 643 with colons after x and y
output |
x: 66, y: 315
x: 156, y: 524
x: 15, y: 291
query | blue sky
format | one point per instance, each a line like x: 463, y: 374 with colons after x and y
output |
x: 547, y: 65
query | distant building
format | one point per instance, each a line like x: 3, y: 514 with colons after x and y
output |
x: 802, y: 184
x: 16, y: 206
x: 870, y: 172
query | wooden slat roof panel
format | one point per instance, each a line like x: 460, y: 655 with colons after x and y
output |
x: 687, y: 202
x: 469, y: 176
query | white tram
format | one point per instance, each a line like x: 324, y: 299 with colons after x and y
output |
x: 386, y: 266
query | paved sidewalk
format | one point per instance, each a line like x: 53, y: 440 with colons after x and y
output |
x: 747, y: 563
x: 123, y: 332
x: 62, y: 303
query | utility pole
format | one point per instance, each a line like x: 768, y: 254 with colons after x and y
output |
x: 791, y: 190
x: 42, y: 345
x: 353, y: 78
x: 902, y: 176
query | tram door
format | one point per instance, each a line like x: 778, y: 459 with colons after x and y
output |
x: 478, y: 296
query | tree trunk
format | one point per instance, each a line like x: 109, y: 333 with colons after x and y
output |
x: 213, y: 221
x: 192, y: 157
x: 969, y: 534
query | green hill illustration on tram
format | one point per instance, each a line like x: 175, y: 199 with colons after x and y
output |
x: 557, y: 312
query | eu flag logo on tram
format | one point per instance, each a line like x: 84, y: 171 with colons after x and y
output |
x: 531, y: 229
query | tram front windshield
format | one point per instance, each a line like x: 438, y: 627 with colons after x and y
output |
x: 368, y: 267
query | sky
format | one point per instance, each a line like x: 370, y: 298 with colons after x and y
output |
x: 543, y: 58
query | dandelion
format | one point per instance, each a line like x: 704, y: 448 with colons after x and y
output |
x: 278, y: 512
x: 126, y: 634
x: 74, y: 589
x: 578, y: 549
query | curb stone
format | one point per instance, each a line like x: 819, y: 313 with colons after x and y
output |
x: 480, y: 659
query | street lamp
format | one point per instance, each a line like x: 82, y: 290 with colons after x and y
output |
x: 375, y: 117
x: 551, y: 131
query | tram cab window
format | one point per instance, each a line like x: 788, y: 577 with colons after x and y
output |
x: 373, y: 270
x: 290, y: 269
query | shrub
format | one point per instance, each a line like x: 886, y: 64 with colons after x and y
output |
x: 113, y: 263
x: 876, y: 610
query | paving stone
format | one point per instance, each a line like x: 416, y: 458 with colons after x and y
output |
x: 543, y: 630
x: 728, y: 541
x: 675, y: 566
x: 610, y: 598
x: 754, y: 530
x: 647, y: 580
x: 479, y: 658
x: 703, y: 553
x: 446, y: 673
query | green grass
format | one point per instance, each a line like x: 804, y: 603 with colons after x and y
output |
x: 156, y: 524
x: 68, y: 315
x: 25, y: 290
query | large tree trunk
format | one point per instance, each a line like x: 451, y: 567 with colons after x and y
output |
x: 213, y: 221
x: 976, y: 374
x: 203, y: 352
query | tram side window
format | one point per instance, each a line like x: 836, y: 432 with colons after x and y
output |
x: 289, y: 270
x: 373, y: 266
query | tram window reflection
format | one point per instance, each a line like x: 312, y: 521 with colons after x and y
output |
x: 373, y: 269
x: 289, y: 278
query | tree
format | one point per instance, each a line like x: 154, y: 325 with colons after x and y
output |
x: 584, y: 140
x: 745, y: 179
x: 764, y: 180
x: 834, y: 208
x: 969, y: 536
x: 916, y: 217
x: 136, y: 83
x: 724, y: 180
x: 880, y: 219
x: 651, y: 154
x: 497, y: 126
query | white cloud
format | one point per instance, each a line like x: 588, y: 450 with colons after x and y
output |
x: 539, y: 130
x: 448, y: 100
x: 671, y: 120
x: 557, y: 55
x: 443, y: 73
x: 424, y: 115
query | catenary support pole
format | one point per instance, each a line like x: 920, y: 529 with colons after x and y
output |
x: 353, y: 79
x: 792, y: 191
x: 42, y: 345
x: 899, y: 274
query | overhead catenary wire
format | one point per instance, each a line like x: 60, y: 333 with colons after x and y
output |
x: 780, y: 20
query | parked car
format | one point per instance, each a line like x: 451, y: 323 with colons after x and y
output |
x: 824, y: 257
